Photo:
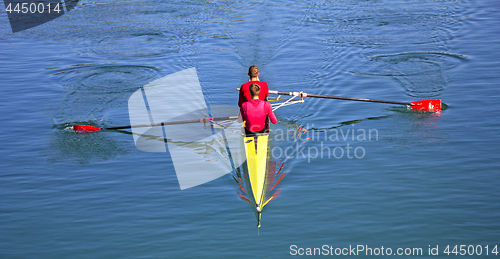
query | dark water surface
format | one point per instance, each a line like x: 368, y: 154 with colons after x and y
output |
x: 420, y: 180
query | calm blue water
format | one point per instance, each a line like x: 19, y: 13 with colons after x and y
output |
x: 427, y: 179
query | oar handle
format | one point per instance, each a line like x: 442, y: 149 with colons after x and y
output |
x: 302, y: 94
x: 202, y: 120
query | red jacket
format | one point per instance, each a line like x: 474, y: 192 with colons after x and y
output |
x: 255, y: 113
x: 245, y: 95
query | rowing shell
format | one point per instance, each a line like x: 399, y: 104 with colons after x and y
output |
x: 257, y: 156
x: 256, y: 150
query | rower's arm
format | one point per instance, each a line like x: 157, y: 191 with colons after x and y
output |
x: 270, y: 113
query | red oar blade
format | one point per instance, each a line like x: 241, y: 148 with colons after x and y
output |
x: 85, y: 128
x: 427, y: 105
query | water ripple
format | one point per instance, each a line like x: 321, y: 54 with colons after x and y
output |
x: 83, y: 148
x: 421, y: 74
x: 91, y: 88
x: 136, y: 45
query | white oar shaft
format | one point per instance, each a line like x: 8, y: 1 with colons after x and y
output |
x: 302, y: 94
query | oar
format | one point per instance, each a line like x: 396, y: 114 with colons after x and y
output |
x: 87, y: 128
x: 433, y: 105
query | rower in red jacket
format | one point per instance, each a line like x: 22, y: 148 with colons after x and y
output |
x: 253, y: 73
x: 255, y: 112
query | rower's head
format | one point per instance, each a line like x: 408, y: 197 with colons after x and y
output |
x: 253, y: 72
x: 255, y: 91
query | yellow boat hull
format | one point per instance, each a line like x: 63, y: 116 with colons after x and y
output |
x: 256, y: 149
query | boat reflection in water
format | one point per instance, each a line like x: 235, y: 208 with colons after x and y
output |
x: 259, y: 190
x: 259, y: 176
